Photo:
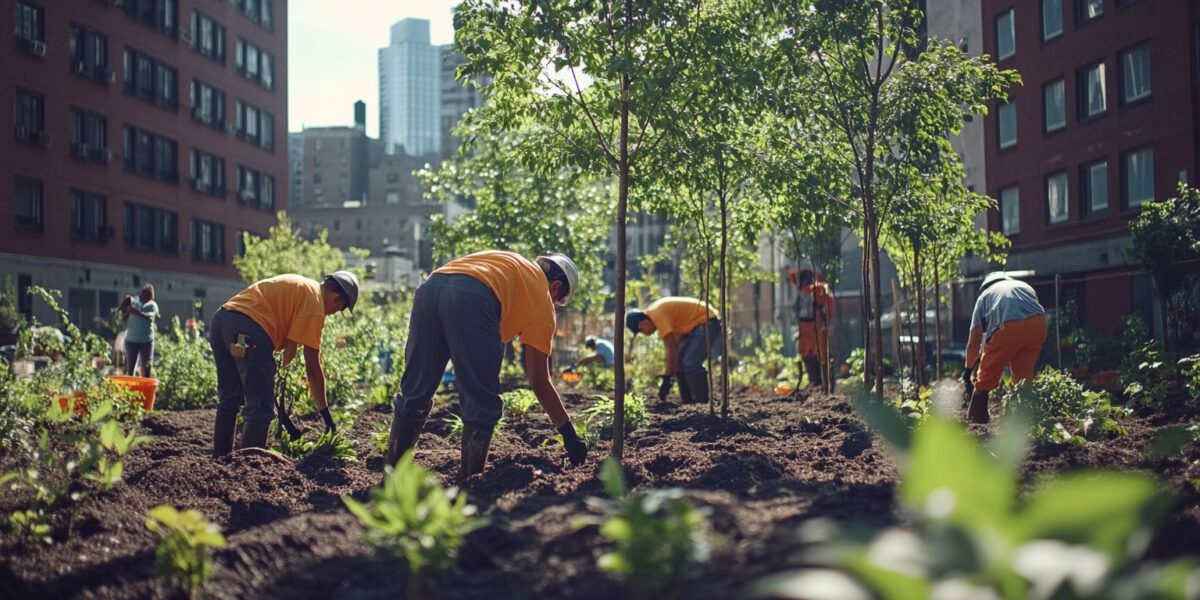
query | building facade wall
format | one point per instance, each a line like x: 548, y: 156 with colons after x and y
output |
x: 1087, y: 243
x: 52, y: 76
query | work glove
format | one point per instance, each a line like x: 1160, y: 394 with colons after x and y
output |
x: 665, y: 388
x: 328, y: 418
x: 285, y: 421
x: 576, y: 449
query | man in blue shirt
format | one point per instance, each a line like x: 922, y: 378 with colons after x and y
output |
x: 141, y: 313
x: 603, y: 352
x: 1008, y: 328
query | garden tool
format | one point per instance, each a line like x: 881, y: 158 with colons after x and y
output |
x: 223, y: 431
x: 697, y: 383
x: 978, y: 412
x: 665, y: 388
x: 283, y: 410
x: 475, y: 444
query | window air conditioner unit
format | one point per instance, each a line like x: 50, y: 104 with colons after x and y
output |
x: 185, y: 36
x: 38, y: 48
x: 79, y: 67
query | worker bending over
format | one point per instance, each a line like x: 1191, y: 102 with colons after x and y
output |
x: 1010, y: 325
x: 602, y: 353
x: 681, y: 322
x: 465, y: 312
x: 279, y: 313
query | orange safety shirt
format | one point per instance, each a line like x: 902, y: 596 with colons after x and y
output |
x: 288, y: 307
x: 678, y: 314
x: 526, y: 308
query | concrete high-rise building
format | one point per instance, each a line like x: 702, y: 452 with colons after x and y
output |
x: 145, y: 138
x: 457, y: 98
x: 410, y: 92
x: 295, y: 169
x: 334, y: 163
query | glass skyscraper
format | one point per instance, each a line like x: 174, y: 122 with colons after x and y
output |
x: 410, y: 91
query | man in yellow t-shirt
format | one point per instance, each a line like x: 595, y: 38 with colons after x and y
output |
x: 691, y: 331
x: 279, y: 313
x: 465, y: 312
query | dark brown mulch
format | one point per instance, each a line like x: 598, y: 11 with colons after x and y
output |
x: 778, y: 462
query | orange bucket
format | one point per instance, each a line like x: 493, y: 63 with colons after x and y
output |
x: 783, y: 388
x: 571, y: 377
x: 146, y: 385
x: 80, y: 402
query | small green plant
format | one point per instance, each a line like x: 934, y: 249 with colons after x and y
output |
x: 1148, y: 378
x: 601, y: 414
x: 659, y: 534
x: 329, y: 444
x: 1189, y: 368
x: 119, y: 442
x: 1063, y: 411
x: 187, y: 375
x: 590, y: 436
x: 186, y: 541
x: 764, y: 365
x: 519, y: 403
x: 379, y: 437
x: 596, y: 377
x: 415, y: 518
x: 1081, y: 535
x: 456, y: 426
x: 511, y: 370
x: 913, y: 401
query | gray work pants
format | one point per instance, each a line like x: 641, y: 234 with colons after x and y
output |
x: 249, y: 380
x: 454, y: 318
x: 135, y: 351
x: 691, y: 347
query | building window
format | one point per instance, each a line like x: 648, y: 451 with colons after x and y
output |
x: 1056, y: 198
x: 1093, y: 187
x: 153, y: 81
x: 255, y: 64
x: 393, y: 198
x: 1137, y: 170
x: 1054, y: 106
x: 208, y: 104
x: 89, y: 136
x: 89, y: 52
x: 27, y: 208
x: 89, y: 217
x: 259, y: 11
x: 208, y: 37
x: 1006, y: 121
x: 208, y: 241
x: 1010, y: 211
x: 1090, y: 91
x: 1087, y: 10
x: 208, y: 174
x: 159, y: 14
x: 1135, y: 73
x: 29, y: 117
x: 1006, y: 35
x: 1052, y: 21
x: 29, y: 25
x: 151, y: 155
x: 151, y: 229
x: 256, y: 126
x: 256, y: 189
x: 393, y: 177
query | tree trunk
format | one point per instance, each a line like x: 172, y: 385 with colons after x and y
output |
x: 758, y: 314
x: 618, y: 446
x: 724, y: 282
x: 920, y: 286
x: 877, y: 301
x: 864, y: 300
x: 937, y: 320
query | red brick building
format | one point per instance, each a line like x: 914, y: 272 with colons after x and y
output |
x: 1107, y: 118
x: 145, y: 135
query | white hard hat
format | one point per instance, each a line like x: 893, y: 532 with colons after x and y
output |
x: 993, y: 277
x: 567, y: 266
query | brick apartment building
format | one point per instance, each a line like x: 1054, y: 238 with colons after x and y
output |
x: 146, y: 135
x: 1106, y: 119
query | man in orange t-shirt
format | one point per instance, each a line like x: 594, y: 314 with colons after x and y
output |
x: 691, y: 331
x: 278, y: 313
x: 465, y: 312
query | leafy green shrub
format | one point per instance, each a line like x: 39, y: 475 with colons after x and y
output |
x: 379, y: 437
x: 659, y: 534
x: 1076, y: 536
x: 187, y: 375
x: 1063, y: 411
x: 597, y: 377
x: 415, y: 518
x: 119, y: 442
x: 511, y: 370
x: 328, y: 444
x: 456, y: 426
x: 764, y: 365
x: 519, y: 403
x: 186, y: 541
x: 913, y: 401
x: 603, y: 412
x: 644, y: 363
x: 1189, y: 368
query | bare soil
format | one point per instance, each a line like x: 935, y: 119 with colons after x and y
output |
x: 777, y: 462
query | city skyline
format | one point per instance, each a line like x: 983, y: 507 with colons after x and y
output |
x: 323, y: 86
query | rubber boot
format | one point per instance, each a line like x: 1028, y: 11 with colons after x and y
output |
x: 223, y: 433
x: 697, y: 385
x: 812, y: 365
x: 402, y: 438
x: 475, y: 444
x: 254, y: 435
x: 978, y: 412
x: 685, y: 392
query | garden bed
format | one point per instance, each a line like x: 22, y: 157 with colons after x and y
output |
x: 782, y: 460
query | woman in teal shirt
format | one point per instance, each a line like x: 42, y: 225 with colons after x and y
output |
x: 139, y: 330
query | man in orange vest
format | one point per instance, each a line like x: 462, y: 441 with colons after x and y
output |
x: 466, y: 312
x: 1008, y: 328
x: 813, y: 307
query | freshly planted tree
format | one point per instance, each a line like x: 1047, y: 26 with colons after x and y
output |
x: 1166, y: 239
x: 284, y: 250
x: 186, y: 542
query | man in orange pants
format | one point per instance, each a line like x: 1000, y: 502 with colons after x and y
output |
x: 813, y: 307
x: 1010, y: 325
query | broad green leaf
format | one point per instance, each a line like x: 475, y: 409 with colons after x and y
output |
x: 1101, y: 509
x: 949, y: 477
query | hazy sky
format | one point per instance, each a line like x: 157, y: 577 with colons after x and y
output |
x: 333, y: 54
